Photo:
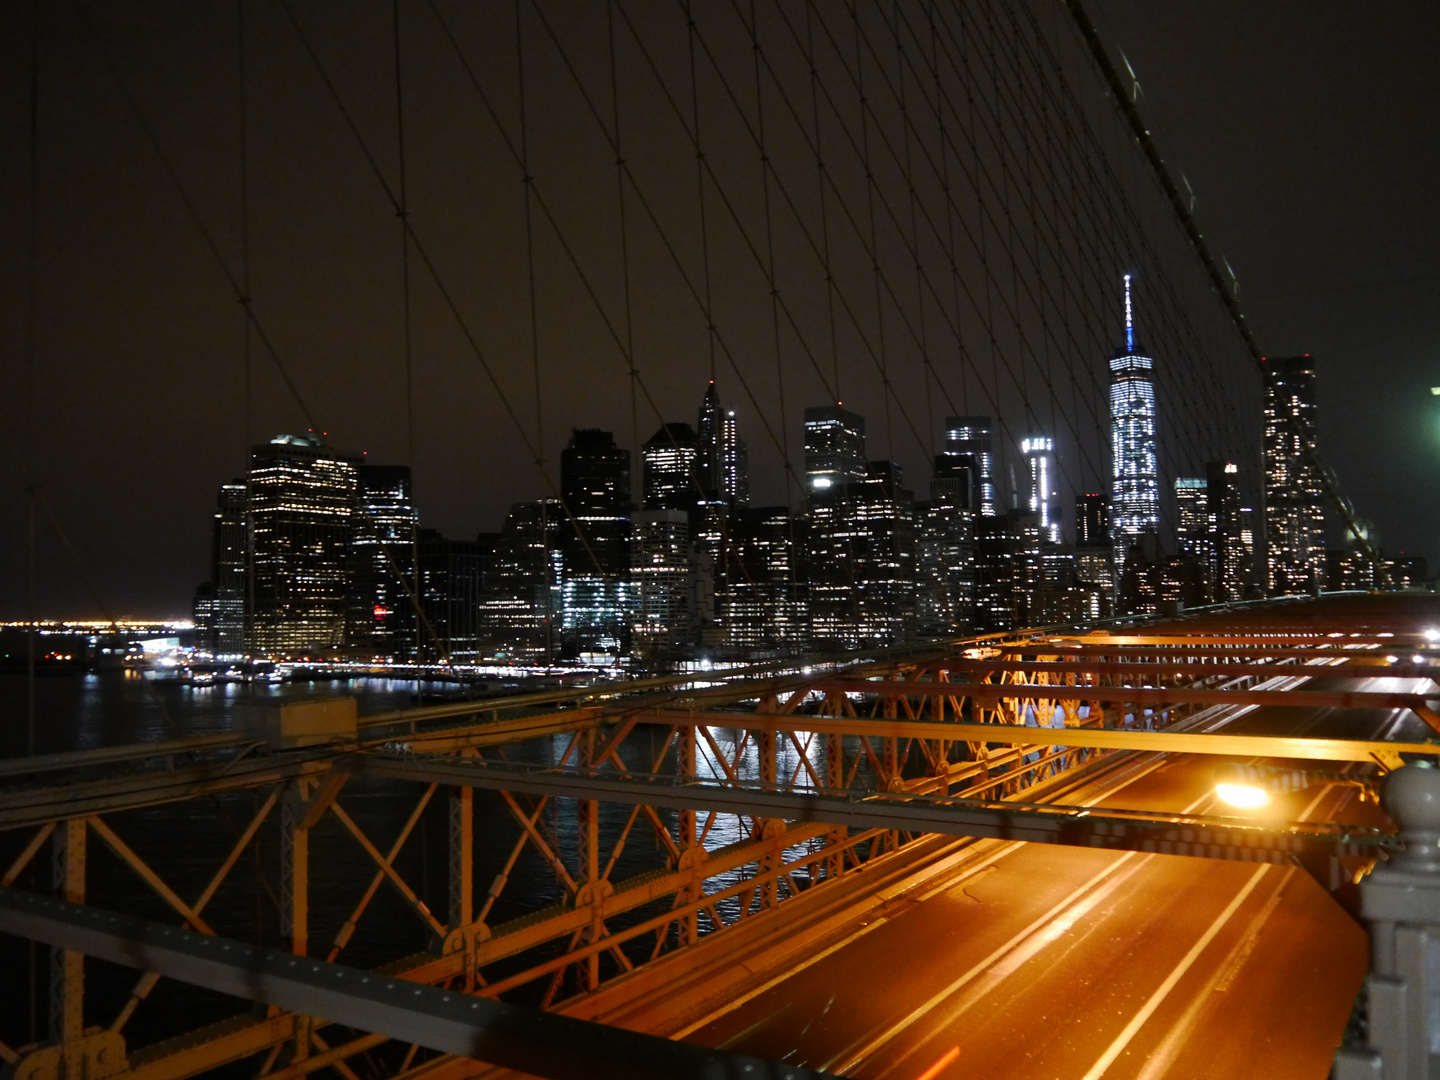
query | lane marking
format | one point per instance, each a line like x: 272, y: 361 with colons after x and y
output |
x: 1164, y: 1056
x: 1138, y: 1020
x: 1000, y: 954
x: 978, y: 969
x: 934, y: 1070
x: 987, y: 861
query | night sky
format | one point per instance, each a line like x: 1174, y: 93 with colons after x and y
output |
x: 1308, y: 133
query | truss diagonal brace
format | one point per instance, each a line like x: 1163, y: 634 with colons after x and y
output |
x: 542, y: 1044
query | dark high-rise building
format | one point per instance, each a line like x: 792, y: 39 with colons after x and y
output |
x: 1042, y: 498
x: 1193, y: 526
x: 1233, y: 558
x: 834, y: 448
x: 301, y: 505
x: 672, y: 469
x: 968, y: 442
x: 520, y: 609
x: 595, y: 484
x: 1294, y: 507
x: 660, y: 570
x: 945, y: 555
x: 382, y: 619
x: 452, y: 577
x: 1135, y: 498
x: 998, y: 544
x: 1094, y: 551
x: 724, y: 464
x: 595, y: 541
x: 881, y: 533
x: 229, y: 554
x: 765, y: 600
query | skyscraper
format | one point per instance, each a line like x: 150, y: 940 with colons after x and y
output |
x: 1042, y: 498
x: 724, y: 464
x: 1094, y: 551
x: 945, y: 554
x: 968, y: 441
x: 595, y: 484
x: 834, y: 448
x: 595, y: 542
x: 1232, y: 554
x: 671, y: 469
x: 1294, y: 510
x: 519, y: 609
x: 382, y: 619
x: 660, y: 571
x: 300, y: 498
x: 451, y: 578
x: 1135, y: 501
x: 1193, y: 527
x: 765, y: 604
x: 229, y: 554
x: 879, y: 526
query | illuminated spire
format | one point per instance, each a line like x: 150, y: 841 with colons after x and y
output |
x: 1129, y: 320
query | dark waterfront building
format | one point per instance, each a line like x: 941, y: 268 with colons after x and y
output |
x: 834, y: 448
x: 1041, y: 497
x: 1193, y: 527
x: 671, y: 467
x: 945, y: 554
x: 595, y: 485
x: 660, y: 572
x: 1094, y: 555
x: 301, y: 504
x: 452, y: 576
x: 968, y: 444
x: 765, y: 605
x: 998, y: 549
x: 1135, y: 495
x: 520, y: 612
x: 595, y: 543
x: 382, y: 620
x: 724, y: 464
x: 1294, y: 508
x: 229, y: 554
x: 1233, y: 559
x: 881, y: 536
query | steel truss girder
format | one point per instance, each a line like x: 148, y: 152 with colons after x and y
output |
x: 1140, y: 695
x: 1159, y: 742
x: 1046, y: 824
x: 1151, y: 664
x: 542, y: 1044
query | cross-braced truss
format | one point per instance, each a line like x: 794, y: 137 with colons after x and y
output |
x: 662, y: 817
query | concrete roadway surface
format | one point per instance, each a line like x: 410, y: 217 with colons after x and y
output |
x: 1050, y: 963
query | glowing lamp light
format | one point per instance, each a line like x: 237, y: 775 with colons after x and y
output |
x: 822, y: 481
x: 1432, y: 634
x: 1242, y: 796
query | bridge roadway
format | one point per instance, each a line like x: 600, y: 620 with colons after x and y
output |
x: 1032, y: 961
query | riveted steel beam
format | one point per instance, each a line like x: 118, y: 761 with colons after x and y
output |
x: 1036, y: 823
x: 541, y: 1044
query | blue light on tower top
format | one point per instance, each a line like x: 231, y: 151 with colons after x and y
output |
x: 1129, y: 320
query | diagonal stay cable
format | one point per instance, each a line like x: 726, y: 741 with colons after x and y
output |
x: 433, y: 271
x: 236, y: 286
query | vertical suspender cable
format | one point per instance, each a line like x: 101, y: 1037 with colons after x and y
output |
x: 765, y: 166
x: 874, y: 243
x: 247, y: 632
x: 31, y: 332
x: 822, y: 184
x: 700, y: 186
x: 403, y: 212
x: 527, y: 182
x: 624, y: 238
